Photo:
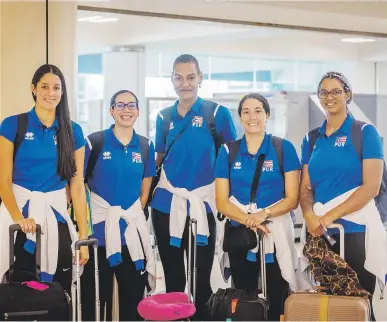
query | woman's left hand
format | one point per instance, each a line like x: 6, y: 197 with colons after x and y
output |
x: 327, y: 219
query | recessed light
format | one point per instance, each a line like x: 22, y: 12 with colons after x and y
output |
x: 89, y: 18
x: 97, y: 19
x: 104, y: 20
x: 358, y: 40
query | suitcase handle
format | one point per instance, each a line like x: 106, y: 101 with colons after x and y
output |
x: 342, y: 244
x: 192, y: 233
x: 15, y: 228
x: 78, y: 311
x: 86, y: 242
x: 261, y: 238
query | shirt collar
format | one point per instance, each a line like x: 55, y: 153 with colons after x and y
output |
x: 113, y: 139
x: 345, y: 128
x: 263, y: 149
x: 38, y: 123
x: 195, y: 107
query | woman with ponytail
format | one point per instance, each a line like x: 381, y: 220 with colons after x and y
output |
x: 34, y: 172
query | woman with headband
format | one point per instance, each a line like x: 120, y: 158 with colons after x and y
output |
x: 338, y: 185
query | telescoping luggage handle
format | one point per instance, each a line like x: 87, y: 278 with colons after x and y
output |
x: 341, y: 231
x: 261, y: 237
x: 14, y: 228
x: 192, y: 230
x: 87, y: 242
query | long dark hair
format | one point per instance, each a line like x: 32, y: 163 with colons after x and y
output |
x: 65, y: 140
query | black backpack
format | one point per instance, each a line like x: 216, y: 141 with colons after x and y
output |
x: 357, y: 139
x: 97, y: 140
x: 234, y: 147
x: 21, y: 130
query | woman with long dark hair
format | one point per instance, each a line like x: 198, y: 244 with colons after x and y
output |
x: 33, y: 180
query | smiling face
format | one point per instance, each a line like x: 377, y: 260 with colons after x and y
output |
x: 253, y: 116
x: 48, y: 91
x: 125, y: 110
x: 332, y: 96
x: 186, y: 79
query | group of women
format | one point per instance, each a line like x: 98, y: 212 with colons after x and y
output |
x: 199, y: 177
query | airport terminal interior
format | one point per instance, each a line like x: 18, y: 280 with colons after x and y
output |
x: 277, y: 48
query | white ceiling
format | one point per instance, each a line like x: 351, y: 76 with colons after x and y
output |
x: 376, y: 9
x: 161, y: 34
x: 352, y: 15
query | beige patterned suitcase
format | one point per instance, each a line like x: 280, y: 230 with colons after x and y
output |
x: 317, y: 306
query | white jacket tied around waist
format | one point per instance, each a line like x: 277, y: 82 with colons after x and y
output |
x: 40, y: 208
x: 136, y: 234
x: 375, y: 234
x: 196, y: 198
x: 281, y: 237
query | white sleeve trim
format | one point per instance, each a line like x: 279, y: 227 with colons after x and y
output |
x: 89, y: 143
x: 226, y: 148
x: 216, y: 110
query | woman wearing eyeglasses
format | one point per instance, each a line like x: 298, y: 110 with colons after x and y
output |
x: 339, y: 182
x: 119, y: 183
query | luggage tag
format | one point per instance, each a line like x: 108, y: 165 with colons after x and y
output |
x: 36, y: 285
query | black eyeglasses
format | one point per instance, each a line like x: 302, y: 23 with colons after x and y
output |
x: 120, y: 106
x: 336, y: 93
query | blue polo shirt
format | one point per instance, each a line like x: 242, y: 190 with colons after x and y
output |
x: 118, y: 175
x: 191, y: 161
x: 271, y: 186
x: 334, y: 166
x: 35, y: 165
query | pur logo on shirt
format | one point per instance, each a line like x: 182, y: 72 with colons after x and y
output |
x: 238, y: 165
x: 268, y: 166
x: 340, y: 141
x: 29, y: 136
x: 171, y: 126
x: 197, y: 121
x: 136, y: 157
x: 106, y: 155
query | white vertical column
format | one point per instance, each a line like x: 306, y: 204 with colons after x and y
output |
x: 125, y: 69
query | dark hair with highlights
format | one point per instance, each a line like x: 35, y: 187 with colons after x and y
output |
x: 65, y: 141
x: 342, y: 79
x: 259, y: 98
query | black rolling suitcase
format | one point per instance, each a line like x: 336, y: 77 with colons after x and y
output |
x: 242, y: 305
x: 19, y: 302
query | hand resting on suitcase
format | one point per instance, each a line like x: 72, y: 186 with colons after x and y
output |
x: 27, y: 225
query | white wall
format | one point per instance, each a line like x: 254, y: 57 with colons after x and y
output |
x: 361, y: 75
x: 382, y: 78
